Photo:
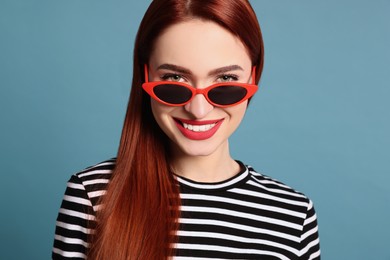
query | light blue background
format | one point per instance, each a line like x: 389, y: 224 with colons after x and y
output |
x: 319, y: 123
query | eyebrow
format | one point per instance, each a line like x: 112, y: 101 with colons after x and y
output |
x: 183, y: 70
x: 225, y: 69
x: 174, y: 68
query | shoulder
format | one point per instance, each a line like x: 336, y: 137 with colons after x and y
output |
x: 273, y: 190
x: 76, y: 217
x: 287, y: 201
x: 93, y: 180
x: 97, y: 174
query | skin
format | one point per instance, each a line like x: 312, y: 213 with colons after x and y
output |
x: 202, y: 53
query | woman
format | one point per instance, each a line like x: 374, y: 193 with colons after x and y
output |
x: 174, y: 190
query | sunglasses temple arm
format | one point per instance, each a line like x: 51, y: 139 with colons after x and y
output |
x: 146, y: 73
x: 254, y: 75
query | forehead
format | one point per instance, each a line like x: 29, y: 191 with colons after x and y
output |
x: 199, y: 45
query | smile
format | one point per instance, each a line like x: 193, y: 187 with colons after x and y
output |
x: 198, y: 130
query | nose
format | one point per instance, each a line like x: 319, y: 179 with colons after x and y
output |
x: 199, y: 107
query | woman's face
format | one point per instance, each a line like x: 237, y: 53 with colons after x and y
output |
x: 199, y: 53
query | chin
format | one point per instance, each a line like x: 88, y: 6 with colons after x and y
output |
x: 197, y: 148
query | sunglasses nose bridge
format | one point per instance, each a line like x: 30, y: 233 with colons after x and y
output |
x: 200, y: 91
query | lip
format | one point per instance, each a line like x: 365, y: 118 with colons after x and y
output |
x: 197, y: 122
x: 198, y: 135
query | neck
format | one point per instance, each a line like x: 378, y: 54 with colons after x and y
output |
x: 216, y: 167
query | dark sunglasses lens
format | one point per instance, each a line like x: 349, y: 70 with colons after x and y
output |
x: 227, y: 95
x: 173, y: 94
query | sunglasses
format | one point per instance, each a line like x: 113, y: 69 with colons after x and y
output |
x: 223, y: 94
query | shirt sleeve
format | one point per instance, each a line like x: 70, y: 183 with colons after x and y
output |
x: 310, y: 242
x: 75, y: 222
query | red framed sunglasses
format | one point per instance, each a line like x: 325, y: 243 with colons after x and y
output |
x: 223, y: 94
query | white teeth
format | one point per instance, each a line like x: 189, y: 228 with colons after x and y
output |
x: 198, y: 128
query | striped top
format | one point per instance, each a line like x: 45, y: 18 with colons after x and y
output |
x: 249, y: 216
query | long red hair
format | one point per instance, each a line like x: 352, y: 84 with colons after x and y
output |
x: 140, y: 210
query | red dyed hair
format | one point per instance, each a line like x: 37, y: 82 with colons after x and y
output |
x: 140, y: 210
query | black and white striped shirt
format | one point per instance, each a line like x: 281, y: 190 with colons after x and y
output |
x: 249, y: 216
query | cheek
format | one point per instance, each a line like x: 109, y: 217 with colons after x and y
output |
x: 157, y: 111
x: 236, y: 115
x: 237, y: 112
x: 161, y: 113
x: 155, y: 108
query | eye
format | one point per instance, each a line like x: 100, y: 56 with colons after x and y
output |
x: 172, y: 77
x: 227, y: 78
